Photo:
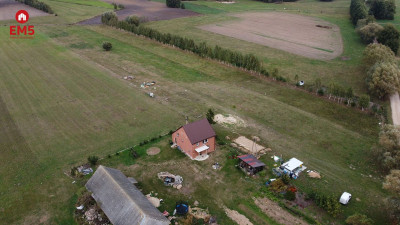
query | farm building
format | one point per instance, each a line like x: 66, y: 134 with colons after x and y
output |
x: 121, y: 201
x: 250, y: 164
x: 195, y: 139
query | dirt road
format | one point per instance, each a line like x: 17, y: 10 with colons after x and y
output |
x: 395, y: 106
x: 150, y: 11
x: 8, y: 9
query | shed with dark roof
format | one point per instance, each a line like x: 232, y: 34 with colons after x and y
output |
x: 121, y: 201
x: 250, y: 164
x: 195, y: 139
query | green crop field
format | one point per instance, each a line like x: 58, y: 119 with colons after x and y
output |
x: 62, y: 98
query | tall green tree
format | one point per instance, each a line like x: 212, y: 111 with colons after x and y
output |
x: 383, y: 79
x: 364, y: 101
x: 210, y: 116
x: 375, y: 53
x: 389, y: 36
x: 358, y: 10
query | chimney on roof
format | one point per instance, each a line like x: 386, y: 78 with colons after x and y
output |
x: 187, y: 120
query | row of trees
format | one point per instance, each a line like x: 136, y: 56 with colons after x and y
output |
x: 383, y: 74
x: 380, y: 9
x: 388, y: 155
x: 38, y: 5
x: 248, y: 61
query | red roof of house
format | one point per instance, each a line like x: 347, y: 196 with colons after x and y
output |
x: 251, y: 160
x: 198, y: 131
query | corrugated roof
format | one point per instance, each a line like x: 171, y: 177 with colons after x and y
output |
x: 121, y: 201
x: 198, y: 131
x: 251, y: 160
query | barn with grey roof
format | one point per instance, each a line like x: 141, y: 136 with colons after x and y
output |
x: 121, y: 201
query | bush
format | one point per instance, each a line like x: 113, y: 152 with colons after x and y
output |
x: 182, y: 6
x: 389, y: 36
x: 277, y: 186
x: 133, y: 20
x: 358, y: 10
x: 328, y: 203
x: 93, y: 160
x: 359, y: 219
x: 120, y: 6
x: 173, y: 3
x: 133, y: 153
x: 363, y: 102
x: 286, y: 179
x: 290, y: 195
x: 321, y: 92
x: 383, y: 9
x: 369, y: 32
x: 107, y: 46
x: 383, y: 79
x: 109, y: 18
x: 375, y: 53
x: 210, y: 116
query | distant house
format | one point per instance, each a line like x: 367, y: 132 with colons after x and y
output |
x: 195, y: 139
x: 250, y: 164
x: 121, y: 201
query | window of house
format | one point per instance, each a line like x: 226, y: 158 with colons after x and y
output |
x: 198, y: 143
x: 205, y: 141
x: 177, y: 134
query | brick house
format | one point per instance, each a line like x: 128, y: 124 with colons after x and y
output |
x: 195, y: 139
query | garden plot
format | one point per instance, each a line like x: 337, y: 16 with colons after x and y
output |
x: 8, y: 9
x: 301, y: 35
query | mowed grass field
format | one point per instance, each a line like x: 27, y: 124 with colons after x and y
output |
x: 58, y: 109
x: 62, y: 98
x: 348, y: 73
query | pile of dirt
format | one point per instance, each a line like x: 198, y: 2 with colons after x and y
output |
x: 274, y: 211
x: 237, y: 217
x: 314, y: 174
x: 153, y: 151
x: 229, y: 120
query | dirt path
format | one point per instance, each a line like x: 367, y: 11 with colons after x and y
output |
x: 8, y: 9
x: 150, y: 11
x: 274, y: 211
x: 237, y: 217
x: 395, y: 106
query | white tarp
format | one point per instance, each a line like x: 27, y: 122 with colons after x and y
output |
x: 292, y: 164
x: 202, y: 148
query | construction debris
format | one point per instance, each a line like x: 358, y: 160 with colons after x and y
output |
x: 128, y: 78
x: 85, y: 169
x: 200, y: 213
x: 147, y: 84
x: 170, y: 179
x: 216, y: 166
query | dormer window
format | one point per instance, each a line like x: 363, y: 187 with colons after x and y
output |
x: 205, y: 141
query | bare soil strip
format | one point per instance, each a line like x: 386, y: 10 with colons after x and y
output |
x: 274, y: 211
x: 395, y: 106
x: 301, y: 35
x: 8, y: 9
x: 150, y: 11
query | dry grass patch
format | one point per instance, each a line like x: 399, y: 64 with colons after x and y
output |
x: 300, y: 35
